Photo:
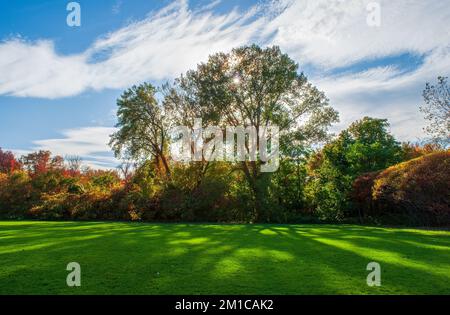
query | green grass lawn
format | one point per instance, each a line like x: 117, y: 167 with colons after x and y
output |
x: 132, y: 258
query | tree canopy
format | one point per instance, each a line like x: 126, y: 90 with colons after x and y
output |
x: 251, y: 86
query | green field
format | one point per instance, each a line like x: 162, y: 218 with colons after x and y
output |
x: 133, y: 258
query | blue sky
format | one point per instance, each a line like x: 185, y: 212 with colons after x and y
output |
x: 59, y: 84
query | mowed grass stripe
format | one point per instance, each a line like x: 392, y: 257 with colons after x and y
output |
x: 135, y: 258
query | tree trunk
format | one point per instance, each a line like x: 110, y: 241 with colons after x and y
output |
x: 166, y: 165
x: 256, y: 182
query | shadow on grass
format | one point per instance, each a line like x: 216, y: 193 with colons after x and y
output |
x: 133, y: 258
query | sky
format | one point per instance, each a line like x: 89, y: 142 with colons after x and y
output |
x: 59, y: 83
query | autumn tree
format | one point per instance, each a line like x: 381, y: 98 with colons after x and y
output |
x: 41, y: 162
x: 255, y: 87
x: 8, y: 162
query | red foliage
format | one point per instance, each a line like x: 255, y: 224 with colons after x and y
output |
x: 41, y: 162
x: 362, y: 192
x: 8, y: 162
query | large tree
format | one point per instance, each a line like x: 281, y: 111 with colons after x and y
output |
x: 142, y: 127
x: 256, y: 87
x: 437, y: 110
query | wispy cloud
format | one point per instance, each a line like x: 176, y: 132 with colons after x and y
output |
x: 335, y: 33
x: 326, y: 34
x: 90, y: 143
x: 386, y: 92
x: 165, y: 44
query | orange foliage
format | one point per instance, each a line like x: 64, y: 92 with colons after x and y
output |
x: 417, y: 190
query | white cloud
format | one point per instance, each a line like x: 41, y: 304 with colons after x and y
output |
x: 35, y: 69
x: 90, y: 143
x: 162, y: 46
x: 326, y: 34
x: 335, y: 33
x: 166, y: 44
x: 386, y: 92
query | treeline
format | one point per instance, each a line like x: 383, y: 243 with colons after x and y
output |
x: 340, y: 183
x: 361, y: 175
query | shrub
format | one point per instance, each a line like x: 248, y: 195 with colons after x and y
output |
x: 416, y: 192
x: 414, y: 150
x: 51, y: 207
x: 133, y: 203
x: 361, y: 194
x: 103, y: 180
x: 15, y: 194
x: 328, y: 198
